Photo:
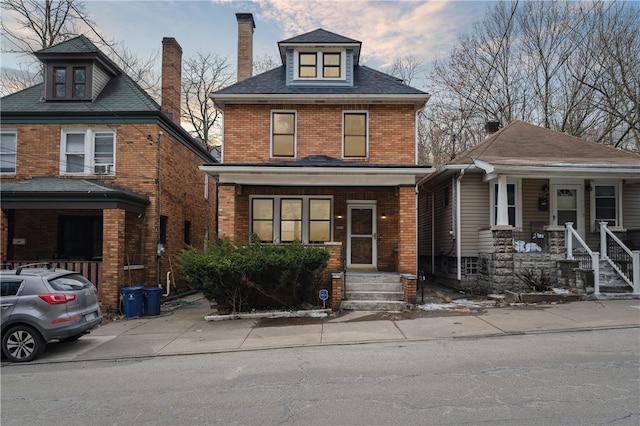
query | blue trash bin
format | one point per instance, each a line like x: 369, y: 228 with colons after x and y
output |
x: 132, y: 301
x: 152, y: 297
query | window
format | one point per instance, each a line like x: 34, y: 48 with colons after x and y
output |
x: 355, y: 134
x: 262, y: 224
x: 470, y: 265
x: 283, y: 135
x: 87, y: 152
x: 162, y: 238
x: 307, y: 67
x: 605, y: 205
x: 511, y: 203
x: 8, y: 146
x: 320, y: 65
x: 288, y: 219
x: 10, y: 287
x: 187, y: 233
x: 331, y: 65
x: 69, y: 82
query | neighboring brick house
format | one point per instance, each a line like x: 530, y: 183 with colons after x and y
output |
x: 322, y: 150
x: 500, y: 208
x: 97, y: 176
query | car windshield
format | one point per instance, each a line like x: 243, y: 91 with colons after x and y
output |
x: 72, y: 282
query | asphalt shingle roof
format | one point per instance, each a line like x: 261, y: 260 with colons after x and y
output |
x: 367, y: 81
x: 79, y: 44
x: 521, y: 143
x: 319, y: 36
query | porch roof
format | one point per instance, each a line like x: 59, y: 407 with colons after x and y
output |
x: 317, y: 170
x: 62, y: 193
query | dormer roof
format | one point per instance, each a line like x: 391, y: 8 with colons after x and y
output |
x: 79, y: 47
x: 320, y: 38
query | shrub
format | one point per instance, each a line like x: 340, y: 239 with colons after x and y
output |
x: 535, y: 280
x: 255, y: 275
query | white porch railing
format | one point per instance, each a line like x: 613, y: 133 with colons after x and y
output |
x: 623, y: 260
x: 588, y: 258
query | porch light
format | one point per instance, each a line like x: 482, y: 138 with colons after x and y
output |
x: 339, y: 216
x: 383, y: 216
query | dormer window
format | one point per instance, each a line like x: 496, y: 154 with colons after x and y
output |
x: 69, y: 82
x: 320, y: 65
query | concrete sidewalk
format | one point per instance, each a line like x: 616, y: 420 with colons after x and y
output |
x: 184, y: 330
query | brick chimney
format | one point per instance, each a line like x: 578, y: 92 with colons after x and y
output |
x: 491, y: 127
x: 171, y: 77
x: 245, y: 45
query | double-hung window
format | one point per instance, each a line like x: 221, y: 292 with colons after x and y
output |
x: 355, y: 134
x: 511, y: 203
x: 8, y: 146
x: 284, y: 219
x: 320, y: 65
x: 308, y: 65
x: 331, y: 65
x: 283, y: 134
x: 605, y: 204
x: 87, y: 152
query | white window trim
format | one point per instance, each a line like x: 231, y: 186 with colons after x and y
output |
x: 206, y: 186
x: 13, y: 132
x: 366, y: 142
x: 319, y: 64
x: 89, y: 151
x: 518, y: 195
x: 295, y: 132
x: 595, y: 227
x: 305, y: 213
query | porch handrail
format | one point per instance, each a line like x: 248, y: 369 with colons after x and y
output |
x: 595, y: 256
x: 633, y: 277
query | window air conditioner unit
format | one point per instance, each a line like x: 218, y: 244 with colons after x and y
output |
x: 102, y: 169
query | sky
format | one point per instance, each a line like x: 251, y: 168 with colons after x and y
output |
x: 388, y: 30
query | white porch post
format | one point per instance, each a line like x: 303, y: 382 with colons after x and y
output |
x: 603, y: 240
x: 503, y: 202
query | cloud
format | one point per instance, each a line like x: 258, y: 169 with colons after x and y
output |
x: 388, y: 29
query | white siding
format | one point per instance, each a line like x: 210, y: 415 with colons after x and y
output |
x: 100, y: 79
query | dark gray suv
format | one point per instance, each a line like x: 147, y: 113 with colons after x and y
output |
x: 44, y: 304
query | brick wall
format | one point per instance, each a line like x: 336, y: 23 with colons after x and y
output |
x: 319, y: 131
x: 38, y: 154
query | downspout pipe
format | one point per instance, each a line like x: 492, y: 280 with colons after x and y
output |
x: 458, y: 226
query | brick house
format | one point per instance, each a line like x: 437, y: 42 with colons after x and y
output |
x: 504, y: 206
x: 323, y: 150
x: 97, y: 176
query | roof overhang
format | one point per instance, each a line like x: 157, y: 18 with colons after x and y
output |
x: 316, y: 176
x: 221, y: 100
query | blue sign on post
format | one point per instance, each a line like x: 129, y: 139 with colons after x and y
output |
x: 324, y: 295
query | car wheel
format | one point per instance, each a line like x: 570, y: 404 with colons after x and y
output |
x: 22, y: 343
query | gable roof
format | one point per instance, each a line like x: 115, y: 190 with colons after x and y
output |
x: 319, y: 37
x: 525, y: 144
x: 369, y: 85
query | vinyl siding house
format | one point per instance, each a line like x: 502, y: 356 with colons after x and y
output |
x: 532, y: 198
x: 98, y: 177
x: 323, y: 150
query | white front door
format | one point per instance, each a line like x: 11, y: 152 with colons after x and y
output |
x: 361, y: 236
x: 567, y: 205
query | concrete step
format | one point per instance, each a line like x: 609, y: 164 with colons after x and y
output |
x: 372, y: 277
x: 374, y: 295
x: 351, y: 286
x: 615, y: 289
x: 374, y: 305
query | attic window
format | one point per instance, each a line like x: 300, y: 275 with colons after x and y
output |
x: 320, y: 65
x: 308, y: 65
x: 69, y: 82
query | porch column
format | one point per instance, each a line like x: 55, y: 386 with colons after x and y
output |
x: 227, y: 211
x: 407, y: 230
x: 503, y: 202
x: 113, y: 249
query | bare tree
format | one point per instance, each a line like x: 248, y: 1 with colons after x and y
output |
x: 203, y: 74
x: 406, y: 69
x: 32, y: 25
x: 264, y: 63
x: 567, y: 66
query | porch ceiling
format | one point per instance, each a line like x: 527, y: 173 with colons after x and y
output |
x: 58, y: 193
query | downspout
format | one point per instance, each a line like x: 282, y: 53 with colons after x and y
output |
x: 158, y: 209
x: 458, y: 226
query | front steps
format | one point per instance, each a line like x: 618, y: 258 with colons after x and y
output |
x: 373, y: 291
x: 610, y: 281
